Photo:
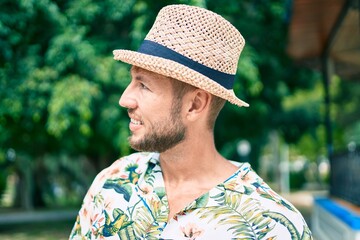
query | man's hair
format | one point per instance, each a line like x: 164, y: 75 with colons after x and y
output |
x: 181, y: 88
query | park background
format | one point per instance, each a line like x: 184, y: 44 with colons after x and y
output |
x: 60, y: 122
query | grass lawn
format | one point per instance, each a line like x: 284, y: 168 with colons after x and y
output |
x: 39, y: 231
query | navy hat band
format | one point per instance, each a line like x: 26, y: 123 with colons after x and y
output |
x: 155, y: 49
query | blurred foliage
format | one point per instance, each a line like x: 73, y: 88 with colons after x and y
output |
x: 60, y: 86
x: 266, y: 77
x: 346, y: 112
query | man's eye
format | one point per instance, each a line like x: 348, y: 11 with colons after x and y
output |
x: 143, y: 86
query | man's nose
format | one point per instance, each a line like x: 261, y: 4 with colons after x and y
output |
x: 127, y: 99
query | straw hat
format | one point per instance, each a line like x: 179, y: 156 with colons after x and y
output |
x: 193, y: 45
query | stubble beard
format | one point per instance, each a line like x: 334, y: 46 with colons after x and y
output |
x: 164, y: 135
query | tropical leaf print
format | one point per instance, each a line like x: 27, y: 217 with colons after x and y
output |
x: 306, y: 235
x: 143, y: 218
x: 150, y: 167
x: 160, y: 192
x: 98, y: 200
x: 278, y: 217
x: 152, y: 173
x: 127, y: 233
x: 266, y: 192
x: 124, y: 189
x: 219, y: 198
x: 248, y: 190
x: 244, y: 216
x: 202, y: 201
x: 250, y: 212
x: 285, y: 204
x: 278, y: 200
x: 112, y: 227
x: 133, y: 175
x: 146, y: 224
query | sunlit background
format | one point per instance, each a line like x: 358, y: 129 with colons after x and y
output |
x: 60, y: 122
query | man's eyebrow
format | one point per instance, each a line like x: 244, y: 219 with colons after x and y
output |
x: 135, y: 73
x: 139, y: 77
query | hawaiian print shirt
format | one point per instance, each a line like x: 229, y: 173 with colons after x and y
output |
x: 128, y: 201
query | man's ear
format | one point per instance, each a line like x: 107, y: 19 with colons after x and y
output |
x: 199, y: 102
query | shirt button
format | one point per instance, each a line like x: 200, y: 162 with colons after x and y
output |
x: 163, y: 208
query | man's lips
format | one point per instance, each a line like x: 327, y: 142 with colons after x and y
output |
x: 135, y: 124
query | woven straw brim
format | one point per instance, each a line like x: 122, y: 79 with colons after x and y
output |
x: 178, y: 71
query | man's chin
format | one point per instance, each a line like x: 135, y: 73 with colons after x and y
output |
x: 137, y: 144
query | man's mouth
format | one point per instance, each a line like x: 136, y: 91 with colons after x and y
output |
x: 135, y: 122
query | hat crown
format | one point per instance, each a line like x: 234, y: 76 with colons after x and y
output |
x: 199, y: 34
x: 192, y: 45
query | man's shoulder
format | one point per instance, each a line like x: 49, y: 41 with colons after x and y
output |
x: 138, y: 158
x: 138, y: 161
x: 121, y: 169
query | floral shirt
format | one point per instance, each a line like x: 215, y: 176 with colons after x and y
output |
x: 128, y: 201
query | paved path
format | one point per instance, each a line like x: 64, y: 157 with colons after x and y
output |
x: 37, y: 216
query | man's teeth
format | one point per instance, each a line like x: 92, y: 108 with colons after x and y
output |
x: 136, y: 122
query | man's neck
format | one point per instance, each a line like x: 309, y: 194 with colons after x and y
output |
x: 191, y: 169
x: 195, y: 162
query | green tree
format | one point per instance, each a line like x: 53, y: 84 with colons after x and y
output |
x: 60, y: 86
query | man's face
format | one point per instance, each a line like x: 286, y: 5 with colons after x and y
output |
x: 155, y: 116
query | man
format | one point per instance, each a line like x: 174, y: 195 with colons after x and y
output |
x: 179, y: 186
